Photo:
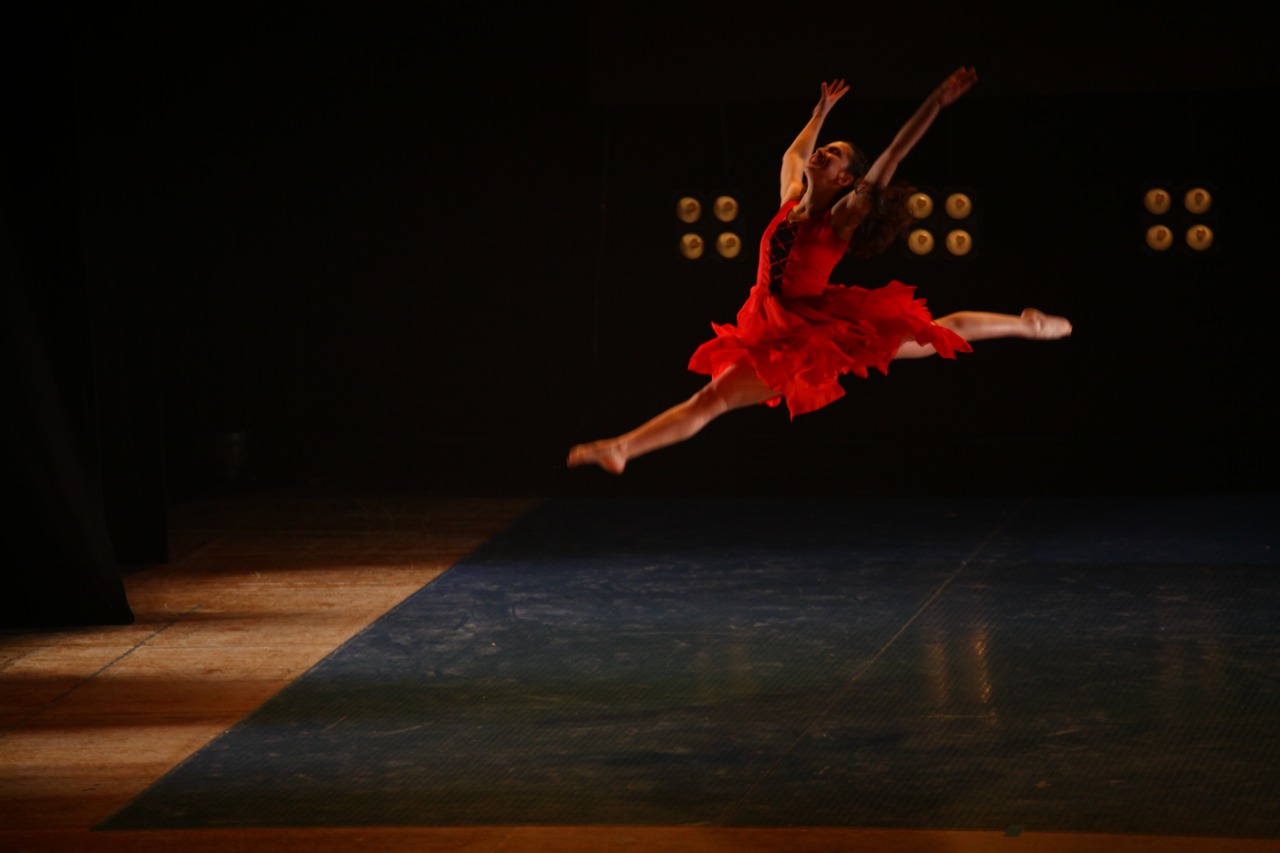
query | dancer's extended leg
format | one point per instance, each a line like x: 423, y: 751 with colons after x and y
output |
x: 985, y: 325
x: 735, y: 388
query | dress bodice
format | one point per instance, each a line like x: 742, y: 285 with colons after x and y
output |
x: 797, y: 259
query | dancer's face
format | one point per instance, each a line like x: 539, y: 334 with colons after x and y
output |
x: 831, y: 162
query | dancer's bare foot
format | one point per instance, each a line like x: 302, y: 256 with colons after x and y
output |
x: 606, y: 454
x: 1045, y: 327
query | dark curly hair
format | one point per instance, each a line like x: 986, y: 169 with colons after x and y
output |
x: 886, y: 221
x: 888, y: 218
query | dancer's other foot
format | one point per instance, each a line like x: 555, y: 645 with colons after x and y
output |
x: 1045, y: 327
x: 606, y: 454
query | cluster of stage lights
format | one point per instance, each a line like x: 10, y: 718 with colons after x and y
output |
x: 949, y: 224
x: 1188, y: 224
x: 694, y: 243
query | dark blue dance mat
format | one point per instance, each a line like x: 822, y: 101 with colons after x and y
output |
x: 1086, y: 664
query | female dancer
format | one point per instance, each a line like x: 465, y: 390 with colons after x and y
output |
x: 797, y: 334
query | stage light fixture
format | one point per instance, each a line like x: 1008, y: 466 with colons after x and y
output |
x: 692, y: 246
x: 1156, y: 200
x: 728, y: 245
x: 1159, y: 238
x: 959, y: 206
x: 920, y: 241
x: 959, y: 242
x: 936, y: 213
x: 726, y: 208
x: 1171, y: 227
x: 1197, y: 200
x: 688, y: 209
x: 921, y: 205
x: 697, y: 213
x: 1199, y: 237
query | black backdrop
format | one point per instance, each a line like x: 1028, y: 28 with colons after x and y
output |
x: 262, y: 245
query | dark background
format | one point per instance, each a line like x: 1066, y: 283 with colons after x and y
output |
x: 400, y: 246
x: 278, y: 245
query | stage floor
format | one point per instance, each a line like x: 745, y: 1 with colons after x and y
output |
x: 319, y: 669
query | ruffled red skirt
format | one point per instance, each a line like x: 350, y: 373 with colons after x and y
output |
x: 801, y: 346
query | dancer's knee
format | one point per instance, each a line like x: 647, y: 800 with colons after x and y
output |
x: 737, y: 387
x: 956, y: 321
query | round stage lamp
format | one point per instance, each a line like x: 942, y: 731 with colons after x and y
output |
x: 1197, y: 200
x: 920, y: 242
x: 1156, y: 201
x: 691, y: 246
x: 959, y: 206
x: 688, y: 209
x: 728, y: 245
x: 959, y: 242
x: 1159, y: 237
x: 726, y: 208
x: 921, y: 205
x: 1199, y: 237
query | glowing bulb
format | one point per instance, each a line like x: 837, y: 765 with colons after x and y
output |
x: 920, y: 242
x: 1159, y: 237
x: 1197, y: 200
x: 691, y: 246
x: 726, y: 208
x: 921, y: 205
x: 959, y: 206
x: 959, y: 242
x: 1199, y: 237
x: 1156, y: 201
x: 688, y: 209
x: 728, y: 245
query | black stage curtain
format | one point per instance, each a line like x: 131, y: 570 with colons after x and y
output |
x: 83, y: 440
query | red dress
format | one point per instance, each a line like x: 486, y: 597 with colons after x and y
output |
x: 800, y: 333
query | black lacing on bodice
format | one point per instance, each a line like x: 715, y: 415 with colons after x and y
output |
x: 784, y: 237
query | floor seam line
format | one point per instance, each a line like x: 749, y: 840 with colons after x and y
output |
x: 26, y: 718
x: 866, y: 667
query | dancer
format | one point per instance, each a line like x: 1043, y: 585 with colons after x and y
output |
x: 797, y: 333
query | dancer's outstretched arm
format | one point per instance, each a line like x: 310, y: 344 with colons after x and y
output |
x: 797, y: 155
x: 949, y: 90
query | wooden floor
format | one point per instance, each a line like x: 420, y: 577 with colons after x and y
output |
x: 259, y: 589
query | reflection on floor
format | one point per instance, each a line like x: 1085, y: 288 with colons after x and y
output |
x: 679, y: 673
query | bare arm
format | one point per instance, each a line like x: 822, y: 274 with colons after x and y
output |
x: 797, y: 156
x: 956, y: 84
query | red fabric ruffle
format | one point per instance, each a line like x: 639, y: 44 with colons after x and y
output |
x: 801, y: 346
